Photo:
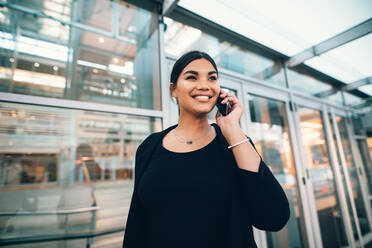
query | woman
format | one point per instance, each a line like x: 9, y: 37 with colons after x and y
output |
x: 200, y: 185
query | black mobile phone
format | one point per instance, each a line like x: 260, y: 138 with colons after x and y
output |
x: 223, y: 108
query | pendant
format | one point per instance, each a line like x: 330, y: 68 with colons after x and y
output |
x: 189, y: 142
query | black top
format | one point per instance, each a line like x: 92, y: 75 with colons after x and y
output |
x: 254, y: 198
x: 183, y: 199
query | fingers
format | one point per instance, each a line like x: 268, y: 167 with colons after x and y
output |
x: 230, y: 99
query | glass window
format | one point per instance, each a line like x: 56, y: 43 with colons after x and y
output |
x: 180, y: 38
x: 305, y: 83
x: 353, y: 175
x: 335, y: 98
x: 369, y: 142
x: 38, y: 144
x: 98, y: 10
x: 351, y: 99
x: 57, y: 61
x: 54, y: 159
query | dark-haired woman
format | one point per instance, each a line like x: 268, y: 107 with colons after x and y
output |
x: 199, y: 185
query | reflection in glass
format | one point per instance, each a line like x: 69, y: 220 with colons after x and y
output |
x: 331, y: 223
x: 335, y: 98
x: 54, y: 159
x: 43, y: 57
x: 354, y: 181
x: 366, y: 154
x: 269, y: 130
x: 180, y: 38
x: 303, y: 82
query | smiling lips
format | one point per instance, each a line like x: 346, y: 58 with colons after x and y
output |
x: 202, y: 98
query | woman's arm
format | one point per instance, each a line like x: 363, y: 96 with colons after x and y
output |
x: 245, y: 154
x: 134, y: 228
x: 261, y: 192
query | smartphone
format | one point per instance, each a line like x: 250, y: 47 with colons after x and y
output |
x: 223, y: 108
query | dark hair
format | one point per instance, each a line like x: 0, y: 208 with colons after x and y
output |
x: 186, y: 59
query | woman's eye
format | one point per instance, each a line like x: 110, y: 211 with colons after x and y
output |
x: 213, y: 78
x: 191, y: 77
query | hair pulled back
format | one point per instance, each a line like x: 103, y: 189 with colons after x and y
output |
x: 186, y: 59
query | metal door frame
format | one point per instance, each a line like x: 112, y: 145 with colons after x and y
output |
x: 335, y: 165
x: 252, y: 88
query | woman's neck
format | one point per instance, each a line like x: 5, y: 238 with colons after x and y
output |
x: 191, y: 126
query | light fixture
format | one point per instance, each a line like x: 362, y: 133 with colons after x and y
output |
x: 116, y: 60
x: 132, y: 28
x: 11, y: 60
x: 95, y: 71
x: 55, y: 68
x: 36, y: 64
x: 101, y: 39
x: 122, y: 80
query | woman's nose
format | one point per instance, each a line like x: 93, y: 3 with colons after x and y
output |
x: 202, y: 85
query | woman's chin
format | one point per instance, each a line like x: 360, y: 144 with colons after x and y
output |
x: 203, y: 112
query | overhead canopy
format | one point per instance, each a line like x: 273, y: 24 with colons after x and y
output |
x: 290, y: 27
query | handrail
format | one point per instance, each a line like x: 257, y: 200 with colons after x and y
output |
x: 58, y: 237
x: 55, y: 212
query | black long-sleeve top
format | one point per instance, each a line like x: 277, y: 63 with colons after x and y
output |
x: 251, y: 199
x: 183, y: 191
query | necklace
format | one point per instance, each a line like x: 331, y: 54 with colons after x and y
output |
x: 183, y: 140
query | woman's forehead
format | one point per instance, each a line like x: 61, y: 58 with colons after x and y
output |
x: 200, y: 65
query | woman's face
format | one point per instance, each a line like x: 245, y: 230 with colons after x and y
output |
x: 197, y: 87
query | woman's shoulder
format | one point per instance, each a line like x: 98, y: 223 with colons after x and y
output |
x: 152, y: 137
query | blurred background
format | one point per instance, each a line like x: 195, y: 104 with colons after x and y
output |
x: 84, y: 82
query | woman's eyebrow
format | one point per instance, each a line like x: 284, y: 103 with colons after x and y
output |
x: 197, y: 73
x: 192, y: 72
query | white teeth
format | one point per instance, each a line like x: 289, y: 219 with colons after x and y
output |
x: 202, y: 97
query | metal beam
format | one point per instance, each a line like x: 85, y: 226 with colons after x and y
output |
x: 168, y: 6
x: 351, y: 34
x: 366, y: 102
x: 347, y: 87
x: 357, y: 84
x: 327, y: 92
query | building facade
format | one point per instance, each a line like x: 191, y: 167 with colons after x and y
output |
x: 82, y: 83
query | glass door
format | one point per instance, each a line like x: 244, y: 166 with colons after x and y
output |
x: 322, y: 177
x: 351, y: 177
x: 269, y: 129
x: 366, y: 155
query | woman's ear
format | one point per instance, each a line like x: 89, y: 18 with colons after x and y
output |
x: 172, y: 87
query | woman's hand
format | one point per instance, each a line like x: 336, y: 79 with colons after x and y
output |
x: 231, y: 120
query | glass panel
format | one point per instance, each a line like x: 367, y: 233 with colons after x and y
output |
x: 350, y: 173
x: 347, y: 63
x: 369, y: 142
x: 290, y: 30
x: 354, y: 181
x: 54, y: 159
x: 335, y: 98
x: 330, y: 218
x: 82, y: 65
x: 352, y: 99
x: 98, y: 10
x: 269, y: 130
x: 305, y: 83
x: 180, y: 38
